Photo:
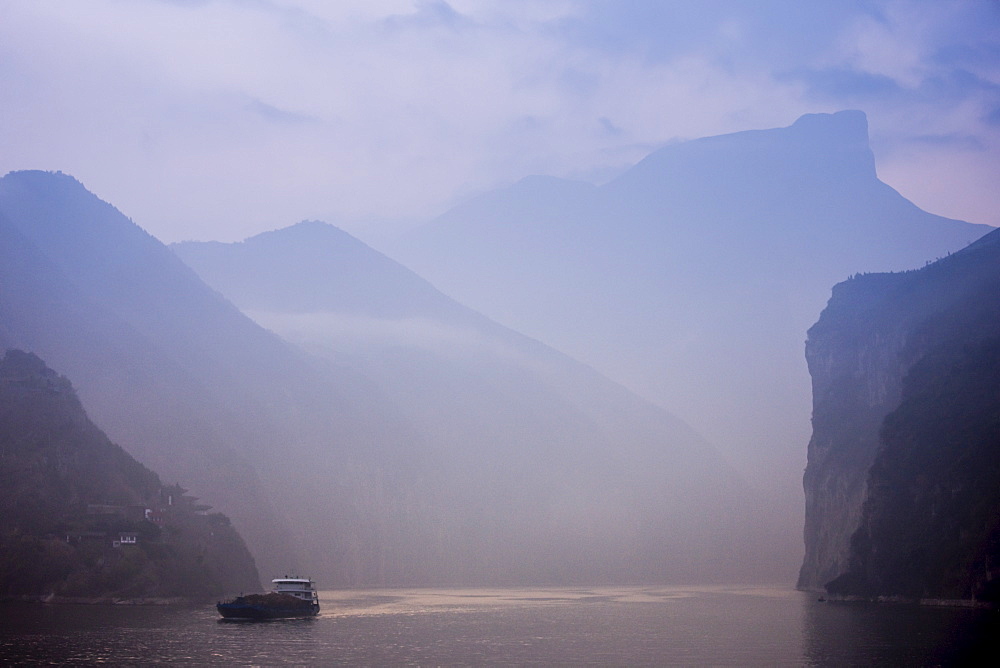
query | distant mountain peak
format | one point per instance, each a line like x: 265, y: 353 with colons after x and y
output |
x: 309, y: 227
x: 844, y: 132
x: 849, y: 125
x: 316, y: 230
x: 828, y: 148
x: 28, y: 175
x: 55, y: 186
x: 314, y: 266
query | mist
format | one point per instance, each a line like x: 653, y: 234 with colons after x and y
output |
x: 572, y: 475
x: 692, y: 277
x: 543, y: 318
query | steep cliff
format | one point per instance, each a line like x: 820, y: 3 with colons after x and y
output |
x: 82, y: 518
x: 894, y: 360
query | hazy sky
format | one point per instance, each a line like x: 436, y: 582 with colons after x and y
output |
x: 218, y: 119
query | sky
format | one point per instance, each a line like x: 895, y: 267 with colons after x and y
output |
x: 220, y: 119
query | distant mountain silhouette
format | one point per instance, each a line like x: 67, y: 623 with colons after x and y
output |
x: 312, y: 267
x: 540, y: 460
x: 425, y: 445
x: 170, y: 369
x: 693, y: 276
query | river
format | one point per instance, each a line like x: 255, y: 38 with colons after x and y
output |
x: 616, y: 626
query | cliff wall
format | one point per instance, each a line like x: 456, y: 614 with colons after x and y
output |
x: 874, y: 332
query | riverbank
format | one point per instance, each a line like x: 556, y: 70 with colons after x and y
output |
x: 53, y: 599
x: 903, y: 600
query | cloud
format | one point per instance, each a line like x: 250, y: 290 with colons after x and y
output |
x: 274, y: 115
x: 964, y: 142
x: 844, y: 83
x: 429, y: 14
x: 352, y: 333
x: 223, y: 118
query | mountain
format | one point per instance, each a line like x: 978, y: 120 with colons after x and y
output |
x: 175, y: 373
x: 540, y: 459
x: 901, y: 484
x: 692, y: 277
x: 423, y: 447
x: 81, y: 517
x: 314, y: 267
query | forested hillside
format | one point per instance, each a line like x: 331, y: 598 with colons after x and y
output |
x: 79, y: 517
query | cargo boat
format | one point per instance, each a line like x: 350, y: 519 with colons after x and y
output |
x: 291, y: 597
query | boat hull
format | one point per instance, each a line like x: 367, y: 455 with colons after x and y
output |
x: 237, y: 610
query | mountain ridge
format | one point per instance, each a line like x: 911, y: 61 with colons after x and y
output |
x: 692, y: 276
x: 467, y: 458
x: 167, y: 366
x: 483, y: 392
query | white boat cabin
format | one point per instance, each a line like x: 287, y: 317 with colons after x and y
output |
x: 302, y: 588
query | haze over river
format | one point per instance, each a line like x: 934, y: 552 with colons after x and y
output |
x: 699, y: 626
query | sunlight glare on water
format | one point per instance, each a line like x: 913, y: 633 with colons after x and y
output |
x: 721, y: 626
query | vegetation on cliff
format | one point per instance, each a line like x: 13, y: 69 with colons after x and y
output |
x: 79, y: 517
x: 930, y: 523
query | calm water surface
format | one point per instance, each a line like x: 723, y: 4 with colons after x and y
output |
x: 635, y: 626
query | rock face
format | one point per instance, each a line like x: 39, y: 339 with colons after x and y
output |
x: 82, y: 518
x: 904, y: 427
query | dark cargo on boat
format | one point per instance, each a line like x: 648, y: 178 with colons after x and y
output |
x: 292, y: 597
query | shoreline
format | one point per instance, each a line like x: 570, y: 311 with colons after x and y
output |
x: 902, y: 600
x: 53, y: 599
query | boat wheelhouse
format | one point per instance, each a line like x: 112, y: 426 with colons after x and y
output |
x: 301, y: 588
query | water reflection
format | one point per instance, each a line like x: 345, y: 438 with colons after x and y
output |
x: 725, y: 626
x: 899, y: 635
